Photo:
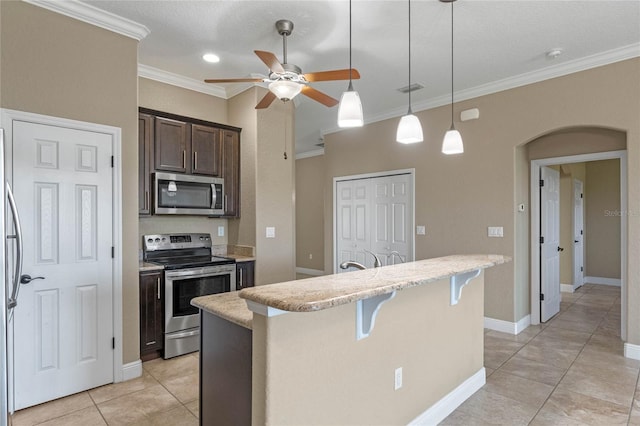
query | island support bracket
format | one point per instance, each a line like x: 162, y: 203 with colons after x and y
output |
x: 366, y: 311
x: 457, y: 282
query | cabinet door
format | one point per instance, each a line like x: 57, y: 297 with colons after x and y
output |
x: 205, y: 150
x: 170, y: 145
x: 151, y: 312
x: 245, y: 274
x: 145, y: 136
x: 231, y: 172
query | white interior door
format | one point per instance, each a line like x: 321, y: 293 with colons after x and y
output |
x: 578, y: 234
x: 391, y: 219
x: 550, y: 243
x: 63, y: 324
x: 353, y: 220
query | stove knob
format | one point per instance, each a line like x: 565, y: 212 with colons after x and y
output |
x: 201, y: 238
x: 163, y: 239
x: 157, y: 240
x: 150, y: 240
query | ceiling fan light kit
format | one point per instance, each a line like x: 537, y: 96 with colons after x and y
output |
x: 285, y: 90
x: 350, y: 109
x: 452, y: 142
x: 409, y: 128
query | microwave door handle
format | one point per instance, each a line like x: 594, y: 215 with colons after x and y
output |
x: 214, y: 196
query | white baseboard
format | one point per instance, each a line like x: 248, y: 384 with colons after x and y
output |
x: 506, y: 326
x: 566, y: 288
x: 445, y: 406
x: 616, y: 282
x: 132, y: 370
x: 307, y: 271
x: 632, y: 351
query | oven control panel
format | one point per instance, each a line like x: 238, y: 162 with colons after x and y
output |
x: 157, y: 242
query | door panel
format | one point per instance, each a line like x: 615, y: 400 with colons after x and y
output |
x: 63, y: 324
x: 550, y: 231
x: 578, y: 237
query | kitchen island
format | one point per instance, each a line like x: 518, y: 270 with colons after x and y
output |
x: 391, y: 345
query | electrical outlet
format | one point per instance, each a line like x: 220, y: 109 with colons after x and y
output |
x: 420, y: 230
x: 220, y: 231
x: 271, y: 232
x: 495, y: 231
x: 397, y: 382
x: 310, y: 256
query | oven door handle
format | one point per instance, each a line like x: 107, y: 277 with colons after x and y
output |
x: 182, y: 335
x: 200, y: 272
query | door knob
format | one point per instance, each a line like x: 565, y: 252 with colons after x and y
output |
x: 560, y: 249
x: 26, y: 279
x: 576, y: 241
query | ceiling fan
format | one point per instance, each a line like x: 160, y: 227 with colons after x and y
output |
x: 287, y: 80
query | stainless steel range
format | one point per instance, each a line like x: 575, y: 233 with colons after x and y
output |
x: 189, y: 271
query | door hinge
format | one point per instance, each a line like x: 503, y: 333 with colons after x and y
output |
x: 113, y: 252
x: 112, y: 161
x: 541, y: 296
x: 541, y: 182
x: 581, y: 232
x: 541, y: 240
x: 581, y: 269
x: 113, y: 343
x: 581, y: 195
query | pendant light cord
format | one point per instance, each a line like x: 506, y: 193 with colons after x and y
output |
x: 410, y: 112
x: 350, y: 84
x: 452, y: 65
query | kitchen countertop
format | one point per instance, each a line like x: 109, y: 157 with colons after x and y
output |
x: 145, y: 267
x: 313, y: 294
x: 239, y: 258
x: 228, y: 306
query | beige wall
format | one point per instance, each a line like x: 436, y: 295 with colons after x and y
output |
x: 309, y: 369
x: 176, y: 100
x: 457, y: 197
x: 602, y: 208
x: 310, y: 212
x: 268, y: 187
x: 58, y: 66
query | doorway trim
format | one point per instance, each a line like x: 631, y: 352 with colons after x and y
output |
x: 535, y: 225
x: 412, y: 178
x: 8, y: 116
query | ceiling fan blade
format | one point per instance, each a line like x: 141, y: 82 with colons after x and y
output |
x: 235, y: 80
x: 266, y: 100
x: 332, y: 75
x: 270, y: 60
x: 317, y: 95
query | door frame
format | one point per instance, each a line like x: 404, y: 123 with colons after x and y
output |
x: 573, y: 215
x: 8, y: 116
x: 412, y: 218
x: 535, y: 226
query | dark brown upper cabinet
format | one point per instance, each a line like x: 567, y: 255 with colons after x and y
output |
x: 205, y: 150
x: 145, y: 138
x: 171, y: 145
x: 231, y: 172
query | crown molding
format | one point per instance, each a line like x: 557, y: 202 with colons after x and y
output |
x: 180, y: 81
x: 94, y: 16
x: 309, y: 154
x: 582, y: 64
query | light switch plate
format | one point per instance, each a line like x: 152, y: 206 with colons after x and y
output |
x: 220, y: 231
x: 495, y: 231
x: 271, y: 232
x: 420, y: 230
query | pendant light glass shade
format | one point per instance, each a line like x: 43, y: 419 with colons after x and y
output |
x: 285, y: 90
x: 452, y: 143
x: 350, y: 109
x: 409, y: 130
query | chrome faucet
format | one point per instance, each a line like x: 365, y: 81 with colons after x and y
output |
x: 346, y: 265
x: 395, y: 253
x: 376, y: 262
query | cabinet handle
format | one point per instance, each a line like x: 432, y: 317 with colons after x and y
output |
x: 195, y: 160
x: 158, y: 288
x: 241, y: 280
x: 225, y: 203
x: 146, y: 200
x: 151, y: 343
x: 184, y: 159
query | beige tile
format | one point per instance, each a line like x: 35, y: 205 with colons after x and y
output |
x: 566, y: 407
x: 89, y: 416
x: 591, y: 356
x: 496, y: 357
x: 488, y: 371
x: 533, y: 370
x: 589, y: 381
x: 162, y: 369
x: 564, y: 335
x: 194, y: 407
x: 185, y: 388
x: 491, y: 408
x: 179, y: 416
x: 138, y: 406
x: 634, y: 417
x: 460, y: 418
x: 608, y: 344
x: 553, y: 354
x: 574, y: 324
x: 523, y: 390
x: 51, y: 410
x: 523, y: 337
x: 105, y: 393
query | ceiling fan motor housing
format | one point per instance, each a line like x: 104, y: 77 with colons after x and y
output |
x: 284, y: 27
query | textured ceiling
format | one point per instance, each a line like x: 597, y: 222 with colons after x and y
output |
x: 494, y: 41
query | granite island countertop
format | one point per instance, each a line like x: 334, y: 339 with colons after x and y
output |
x: 324, y: 292
x: 228, y: 306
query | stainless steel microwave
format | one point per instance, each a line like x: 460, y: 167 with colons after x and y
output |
x: 187, y: 194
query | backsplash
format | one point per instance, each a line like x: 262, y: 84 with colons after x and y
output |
x: 183, y: 224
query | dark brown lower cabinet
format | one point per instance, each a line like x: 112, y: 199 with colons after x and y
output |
x: 245, y: 274
x: 225, y: 372
x: 151, y: 315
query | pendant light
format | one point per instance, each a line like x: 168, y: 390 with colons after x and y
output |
x: 409, y: 128
x: 452, y: 143
x: 350, y: 109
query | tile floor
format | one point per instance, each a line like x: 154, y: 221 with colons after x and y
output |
x: 569, y: 371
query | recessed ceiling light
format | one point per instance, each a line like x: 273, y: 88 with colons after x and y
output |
x: 210, y: 57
